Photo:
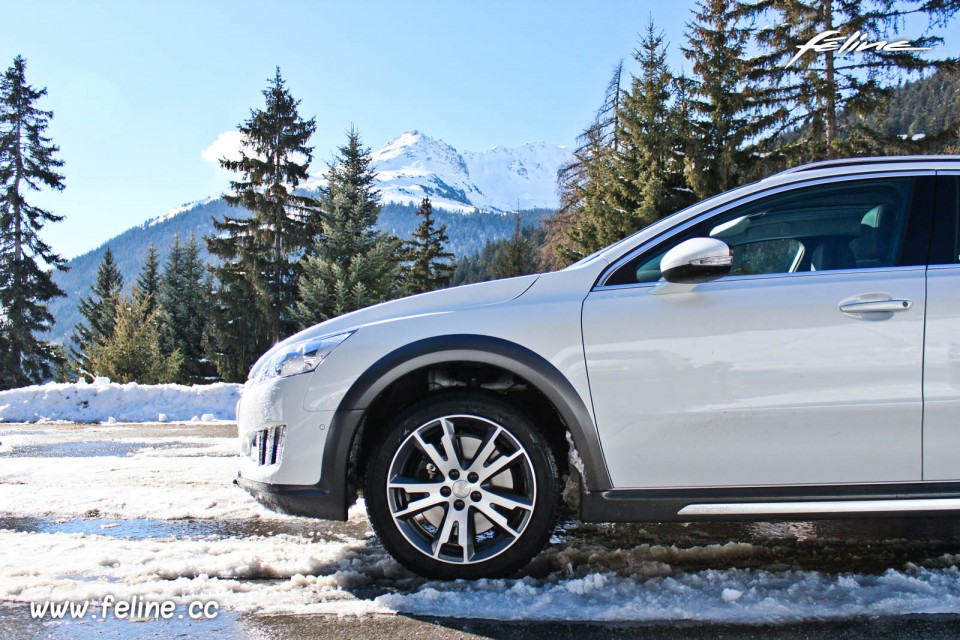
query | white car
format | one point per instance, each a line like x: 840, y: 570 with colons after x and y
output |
x: 787, y: 350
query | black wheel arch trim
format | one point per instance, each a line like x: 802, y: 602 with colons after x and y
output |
x: 521, y: 361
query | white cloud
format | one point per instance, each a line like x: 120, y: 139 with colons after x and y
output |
x: 227, y: 145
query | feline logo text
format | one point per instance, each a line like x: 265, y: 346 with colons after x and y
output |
x: 856, y: 43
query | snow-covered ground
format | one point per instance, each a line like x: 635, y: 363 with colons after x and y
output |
x: 105, y: 401
x: 67, y: 517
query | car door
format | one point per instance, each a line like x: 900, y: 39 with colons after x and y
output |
x: 797, y: 368
x: 941, y: 386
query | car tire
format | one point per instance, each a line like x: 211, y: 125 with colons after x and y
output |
x: 462, y: 485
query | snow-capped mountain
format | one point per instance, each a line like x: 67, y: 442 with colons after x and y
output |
x: 500, y: 179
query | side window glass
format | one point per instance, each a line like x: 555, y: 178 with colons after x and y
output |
x: 855, y: 224
x: 781, y: 255
x: 945, y: 247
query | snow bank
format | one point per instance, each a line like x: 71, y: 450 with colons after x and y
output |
x: 105, y: 401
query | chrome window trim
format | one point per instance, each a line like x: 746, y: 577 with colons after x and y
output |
x: 756, y: 195
x: 774, y: 276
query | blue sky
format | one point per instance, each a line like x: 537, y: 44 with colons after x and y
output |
x: 140, y: 89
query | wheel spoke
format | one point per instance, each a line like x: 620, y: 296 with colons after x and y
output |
x: 431, y: 451
x: 508, y: 500
x: 412, y: 485
x: 464, y: 535
x: 498, y: 465
x: 449, y: 440
x: 496, y: 518
x: 486, y: 449
x: 444, y: 534
x: 416, y: 506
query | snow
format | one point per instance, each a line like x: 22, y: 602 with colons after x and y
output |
x: 185, y: 482
x: 525, y: 175
x: 186, y: 206
x: 104, y: 401
x: 727, y: 596
x: 414, y: 165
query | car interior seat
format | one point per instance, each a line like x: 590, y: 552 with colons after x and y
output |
x: 833, y: 253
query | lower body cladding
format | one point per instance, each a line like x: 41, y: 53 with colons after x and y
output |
x: 282, y: 446
x: 800, y: 502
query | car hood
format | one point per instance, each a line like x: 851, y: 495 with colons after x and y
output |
x: 442, y: 301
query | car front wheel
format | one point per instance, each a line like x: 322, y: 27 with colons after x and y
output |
x: 462, y: 485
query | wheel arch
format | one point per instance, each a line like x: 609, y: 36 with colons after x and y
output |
x: 340, y: 457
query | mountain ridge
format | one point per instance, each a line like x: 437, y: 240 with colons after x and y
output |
x: 499, y: 179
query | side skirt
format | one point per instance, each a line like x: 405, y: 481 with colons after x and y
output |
x: 805, y: 502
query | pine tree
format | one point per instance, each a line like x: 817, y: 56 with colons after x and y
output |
x: 516, y: 257
x: 183, y: 315
x: 811, y: 93
x: 232, y: 322
x: 352, y: 265
x: 573, y: 232
x: 99, y: 311
x: 723, y: 117
x: 28, y: 162
x: 430, y: 265
x: 264, y: 248
x: 132, y: 352
x: 649, y: 166
x: 501, y: 257
x: 147, y: 287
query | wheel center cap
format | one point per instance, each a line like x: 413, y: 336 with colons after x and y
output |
x: 461, y: 488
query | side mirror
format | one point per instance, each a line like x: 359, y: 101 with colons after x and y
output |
x: 696, y: 260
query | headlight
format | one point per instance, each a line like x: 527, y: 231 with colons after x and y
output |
x: 301, y: 357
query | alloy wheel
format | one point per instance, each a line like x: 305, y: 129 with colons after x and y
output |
x: 461, y: 489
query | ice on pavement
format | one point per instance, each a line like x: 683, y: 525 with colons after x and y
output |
x: 105, y: 401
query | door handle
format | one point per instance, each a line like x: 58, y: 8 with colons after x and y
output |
x: 875, y: 306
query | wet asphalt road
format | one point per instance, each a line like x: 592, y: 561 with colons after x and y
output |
x: 868, y: 546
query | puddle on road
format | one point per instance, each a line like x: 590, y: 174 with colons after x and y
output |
x: 141, y: 529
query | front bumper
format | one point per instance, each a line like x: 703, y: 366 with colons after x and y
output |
x: 272, y: 408
x: 311, y: 501
x: 284, y: 461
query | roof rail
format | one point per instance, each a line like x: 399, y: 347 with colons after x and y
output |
x: 845, y: 162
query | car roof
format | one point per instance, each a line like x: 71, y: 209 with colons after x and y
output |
x: 934, y: 162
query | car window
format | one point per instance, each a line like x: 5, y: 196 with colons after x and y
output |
x: 945, y: 247
x: 853, y: 224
